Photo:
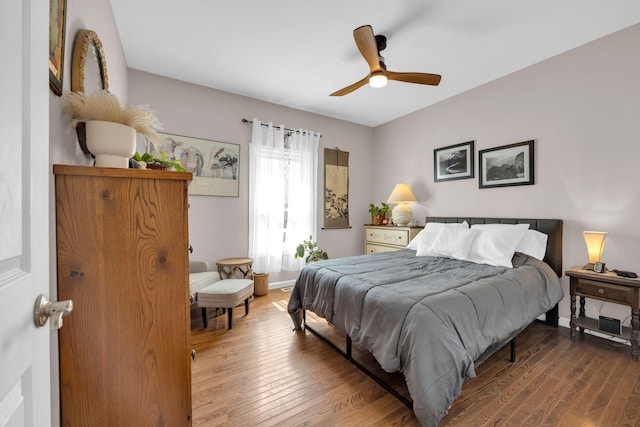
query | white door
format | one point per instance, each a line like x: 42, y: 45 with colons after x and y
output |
x: 25, y: 395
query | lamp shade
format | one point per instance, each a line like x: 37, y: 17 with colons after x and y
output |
x: 595, y: 244
x: 401, y: 194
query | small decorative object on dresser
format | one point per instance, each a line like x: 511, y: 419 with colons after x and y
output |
x: 379, y: 214
x: 605, y: 287
x: 387, y: 238
x: 110, y: 128
x: 148, y: 161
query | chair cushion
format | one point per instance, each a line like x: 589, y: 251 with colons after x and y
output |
x: 198, y: 281
x: 225, y: 293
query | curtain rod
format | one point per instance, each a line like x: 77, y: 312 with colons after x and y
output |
x: 277, y: 127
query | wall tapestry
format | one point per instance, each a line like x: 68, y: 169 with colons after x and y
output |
x: 336, y: 188
x: 215, y: 165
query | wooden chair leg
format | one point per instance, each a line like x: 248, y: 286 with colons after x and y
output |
x: 205, y: 321
x: 246, y: 306
x: 230, y: 311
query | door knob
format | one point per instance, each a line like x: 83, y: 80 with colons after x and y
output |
x: 44, y: 309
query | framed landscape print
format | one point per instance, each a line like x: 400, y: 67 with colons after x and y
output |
x: 453, y: 162
x: 215, y: 165
x: 507, y: 165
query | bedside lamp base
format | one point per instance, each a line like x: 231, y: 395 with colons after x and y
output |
x: 402, y: 215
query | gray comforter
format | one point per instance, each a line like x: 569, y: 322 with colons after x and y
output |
x: 429, y: 318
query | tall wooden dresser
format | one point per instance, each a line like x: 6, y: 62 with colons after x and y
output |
x: 122, y: 242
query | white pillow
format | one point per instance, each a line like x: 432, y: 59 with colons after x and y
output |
x: 496, y: 243
x: 534, y: 243
x: 453, y: 242
x: 424, y: 244
x: 431, y: 230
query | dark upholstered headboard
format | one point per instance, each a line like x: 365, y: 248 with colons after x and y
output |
x: 551, y: 227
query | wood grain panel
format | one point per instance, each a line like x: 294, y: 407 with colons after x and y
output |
x: 122, y: 259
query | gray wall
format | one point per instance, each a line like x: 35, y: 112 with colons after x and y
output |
x: 218, y: 226
x: 582, y: 108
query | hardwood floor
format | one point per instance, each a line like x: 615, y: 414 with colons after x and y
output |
x: 261, y: 373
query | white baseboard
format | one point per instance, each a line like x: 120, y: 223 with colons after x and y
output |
x: 283, y: 284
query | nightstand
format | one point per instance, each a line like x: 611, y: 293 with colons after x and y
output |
x: 387, y: 238
x: 605, y: 287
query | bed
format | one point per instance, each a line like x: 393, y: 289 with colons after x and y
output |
x: 433, y: 318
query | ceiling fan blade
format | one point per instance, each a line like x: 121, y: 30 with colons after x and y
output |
x: 366, y: 42
x: 420, y: 78
x: 351, y: 88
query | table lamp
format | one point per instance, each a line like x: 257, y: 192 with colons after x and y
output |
x: 595, y: 246
x: 401, y: 196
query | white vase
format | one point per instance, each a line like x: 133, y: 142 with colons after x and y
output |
x: 113, y: 144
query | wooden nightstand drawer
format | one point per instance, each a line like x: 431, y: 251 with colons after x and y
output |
x: 606, y: 291
x: 376, y: 249
x: 398, y: 237
x: 384, y: 238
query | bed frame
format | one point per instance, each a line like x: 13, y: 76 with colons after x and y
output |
x: 551, y: 227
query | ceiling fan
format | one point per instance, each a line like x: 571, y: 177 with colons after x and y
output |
x: 370, y: 46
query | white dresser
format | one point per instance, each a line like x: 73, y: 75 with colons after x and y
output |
x: 385, y: 238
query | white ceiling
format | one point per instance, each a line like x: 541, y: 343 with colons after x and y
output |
x: 295, y: 52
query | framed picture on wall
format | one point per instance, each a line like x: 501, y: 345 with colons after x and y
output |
x: 215, y: 165
x: 453, y: 162
x: 57, y: 20
x: 507, y: 165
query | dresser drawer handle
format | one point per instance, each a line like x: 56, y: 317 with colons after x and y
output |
x: 601, y: 291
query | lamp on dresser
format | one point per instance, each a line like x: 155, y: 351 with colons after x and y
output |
x: 401, y: 196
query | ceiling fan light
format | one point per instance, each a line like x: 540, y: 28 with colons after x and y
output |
x: 378, y: 80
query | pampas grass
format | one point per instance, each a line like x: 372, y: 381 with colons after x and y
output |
x: 103, y: 105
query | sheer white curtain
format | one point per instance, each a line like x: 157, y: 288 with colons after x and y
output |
x: 303, y: 194
x: 282, y: 195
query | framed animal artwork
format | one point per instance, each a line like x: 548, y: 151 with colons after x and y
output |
x: 215, y: 165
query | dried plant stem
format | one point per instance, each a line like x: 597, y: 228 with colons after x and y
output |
x: 103, y: 105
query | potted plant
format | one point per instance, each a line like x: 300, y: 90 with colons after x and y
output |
x: 311, y: 249
x: 110, y: 127
x: 148, y: 161
x: 379, y: 214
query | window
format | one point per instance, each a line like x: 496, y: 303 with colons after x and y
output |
x: 282, y: 195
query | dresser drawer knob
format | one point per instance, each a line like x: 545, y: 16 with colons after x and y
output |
x: 601, y: 291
